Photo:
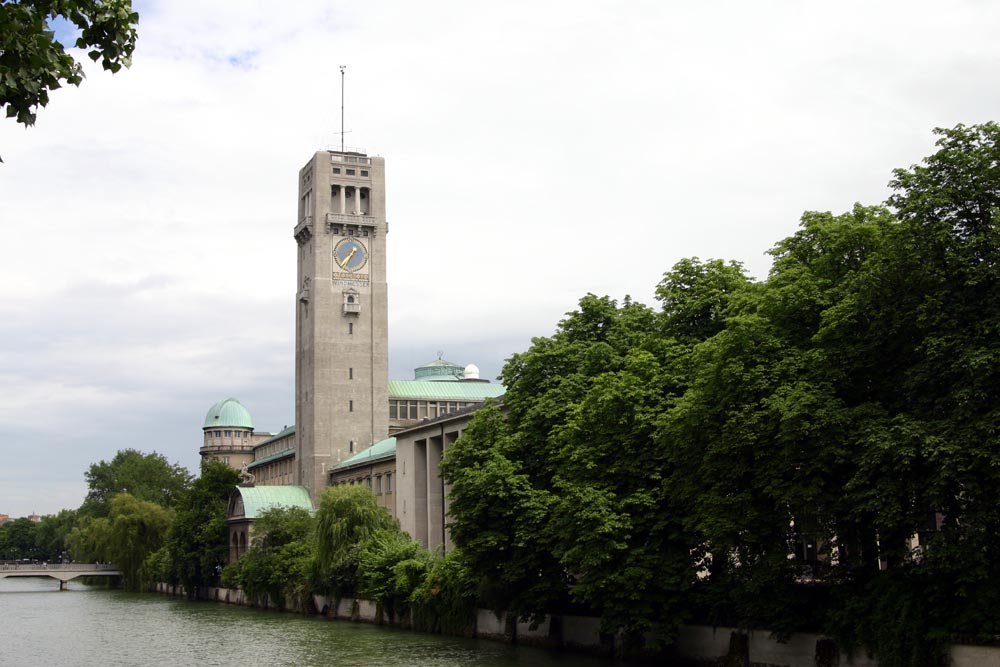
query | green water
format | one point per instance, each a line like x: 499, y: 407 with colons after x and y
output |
x: 41, y: 626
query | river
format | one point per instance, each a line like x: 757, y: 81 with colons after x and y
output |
x: 87, y: 626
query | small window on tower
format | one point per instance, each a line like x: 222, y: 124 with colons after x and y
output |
x: 350, y: 406
x: 350, y: 172
x: 364, y: 172
x: 350, y: 447
x: 350, y: 328
x: 350, y: 373
x: 336, y: 170
x: 364, y: 232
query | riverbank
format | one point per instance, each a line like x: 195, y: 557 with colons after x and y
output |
x: 695, y: 645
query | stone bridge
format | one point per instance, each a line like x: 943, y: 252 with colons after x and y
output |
x: 64, y: 572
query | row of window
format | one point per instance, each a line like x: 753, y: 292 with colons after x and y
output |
x: 228, y: 434
x: 375, y: 485
x: 350, y: 172
x: 350, y: 231
x: 400, y: 409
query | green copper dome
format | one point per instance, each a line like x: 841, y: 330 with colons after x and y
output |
x: 439, y: 369
x: 228, y: 413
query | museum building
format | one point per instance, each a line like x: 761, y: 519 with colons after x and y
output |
x: 353, y: 425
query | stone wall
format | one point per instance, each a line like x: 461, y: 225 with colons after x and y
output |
x: 695, y: 645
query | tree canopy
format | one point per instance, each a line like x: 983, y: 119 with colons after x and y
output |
x: 149, y: 477
x: 34, y: 62
x: 815, y: 451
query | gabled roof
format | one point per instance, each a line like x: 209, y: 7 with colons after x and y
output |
x: 253, y: 500
x: 284, y: 453
x: 383, y: 449
x: 287, y: 431
x: 445, y: 390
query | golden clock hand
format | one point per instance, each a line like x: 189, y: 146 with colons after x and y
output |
x: 348, y: 258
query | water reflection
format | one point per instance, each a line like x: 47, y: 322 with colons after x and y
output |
x: 94, y: 626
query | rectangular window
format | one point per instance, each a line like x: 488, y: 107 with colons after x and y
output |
x: 350, y: 232
x: 350, y: 373
x: 225, y: 459
x: 369, y: 482
x: 350, y: 447
x: 336, y: 170
x: 350, y: 172
x: 423, y: 410
x: 218, y: 434
x: 378, y: 485
x: 364, y: 232
x: 350, y: 406
x: 392, y: 410
x: 350, y: 328
x: 388, y: 482
x: 229, y: 434
x: 413, y: 409
x: 364, y: 172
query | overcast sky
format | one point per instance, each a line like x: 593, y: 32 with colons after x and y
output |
x: 535, y: 152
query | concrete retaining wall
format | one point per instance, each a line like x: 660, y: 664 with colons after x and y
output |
x: 694, y: 644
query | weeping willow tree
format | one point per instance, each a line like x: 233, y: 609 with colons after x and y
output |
x: 348, y: 516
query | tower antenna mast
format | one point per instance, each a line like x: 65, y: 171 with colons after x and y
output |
x: 342, y: 68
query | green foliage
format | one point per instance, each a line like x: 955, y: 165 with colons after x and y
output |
x: 696, y: 294
x: 18, y: 540
x: 198, y: 546
x: 279, y: 565
x: 817, y: 451
x: 33, y: 62
x: 391, y: 565
x: 51, y: 534
x: 133, y: 530
x: 563, y: 496
x: 147, y: 477
x: 445, y: 599
x: 347, y: 517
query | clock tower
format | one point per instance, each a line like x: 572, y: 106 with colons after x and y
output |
x: 341, y: 319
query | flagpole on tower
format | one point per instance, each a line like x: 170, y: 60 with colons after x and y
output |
x: 342, y: 68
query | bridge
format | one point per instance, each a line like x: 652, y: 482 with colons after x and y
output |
x: 64, y: 572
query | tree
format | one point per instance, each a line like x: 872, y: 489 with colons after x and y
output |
x: 695, y: 295
x: 33, y: 61
x: 147, y: 477
x: 560, y: 494
x: 346, y: 518
x: 51, y: 534
x: 198, y: 544
x: 18, y: 540
x: 132, y: 532
x: 281, y: 559
x: 391, y: 565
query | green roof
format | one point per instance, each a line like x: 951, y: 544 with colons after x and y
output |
x: 382, y: 449
x: 449, y: 391
x: 271, y: 457
x: 256, y: 499
x: 287, y: 431
x: 228, y: 412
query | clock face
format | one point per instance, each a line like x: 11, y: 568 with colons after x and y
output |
x: 350, y: 255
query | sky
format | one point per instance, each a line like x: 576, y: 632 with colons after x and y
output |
x: 535, y: 152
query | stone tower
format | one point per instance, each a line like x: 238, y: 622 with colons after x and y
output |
x: 341, y: 321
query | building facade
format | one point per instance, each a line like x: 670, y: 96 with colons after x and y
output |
x: 346, y: 408
x: 342, y: 312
